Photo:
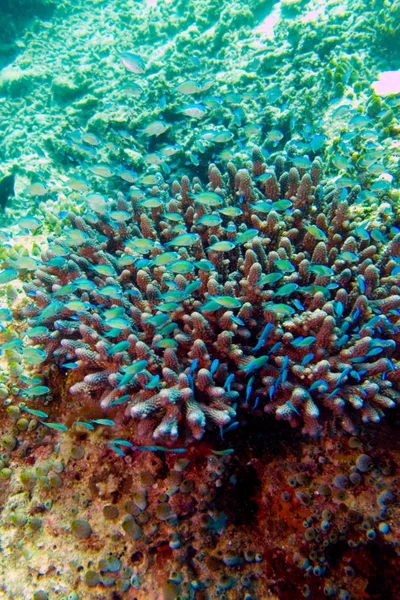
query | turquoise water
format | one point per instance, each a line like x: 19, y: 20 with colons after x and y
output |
x: 199, y: 299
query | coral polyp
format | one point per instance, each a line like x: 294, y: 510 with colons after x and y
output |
x: 189, y: 305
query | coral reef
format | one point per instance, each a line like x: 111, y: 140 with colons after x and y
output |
x: 199, y: 301
x: 294, y: 307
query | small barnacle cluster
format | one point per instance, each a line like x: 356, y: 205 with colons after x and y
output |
x: 334, y: 511
x: 214, y: 523
x: 167, y: 518
x: 188, y: 303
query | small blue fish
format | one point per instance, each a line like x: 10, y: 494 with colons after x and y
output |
x: 287, y: 289
x: 120, y: 347
x: 237, y: 320
x: 57, y: 426
x: 338, y: 308
x: 391, y: 364
x: 153, y: 383
x: 214, y: 366
x: 275, y: 347
x: 30, y: 380
x: 132, y: 62
x: 285, y: 266
x: 345, y: 326
x: 5, y: 314
x: 348, y: 256
x: 232, y: 426
x: 301, y: 342
x: 158, y: 320
x: 302, y: 162
x: 374, y: 352
x: 378, y: 236
x: 38, y: 390
x: 191, y: 382
x: 342, y: 376
x: 314, y: 289
x: 321, y: 270
x: 361, y: 283
x: 249, y: 388
x: 318, y: 142
x: 120, y: 400
x: 290, y: 405
x: 122, y: 443
x: 256, y: 363
x: 320, y: 383
x: 229, y: 380
x: 88, y: 426
x: 35, y: 412
x: 271, y: 391
x: 165, y: 331
x: 264, y: 335
x: 374, y: 321
x: 125, y: 380
x: 355, y: 375
x: 270, y: 278
x: 317, y: 233
x: 11, y: 345
x: 361, y: 232
x: 274, y: 93
x: 109, y: 422
x: 116, y: 449
x: 306, y: 359
x: 357, y: 359
x: 285, y: 363
x: 8, y: 275
x: 195, y: 111
x: 159, y: 449
x: 136, y: 367
x: 342, y: 341
x: 192, y: 287
x: 299, y: 305
x: 193, y: 366
x: 246, y: 236
x: 57, y: 261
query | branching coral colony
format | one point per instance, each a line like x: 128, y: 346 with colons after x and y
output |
x: 188, y: 305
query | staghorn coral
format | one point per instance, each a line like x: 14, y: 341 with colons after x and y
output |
x: 184, y: 307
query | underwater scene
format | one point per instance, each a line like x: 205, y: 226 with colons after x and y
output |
x: 199, y: 299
